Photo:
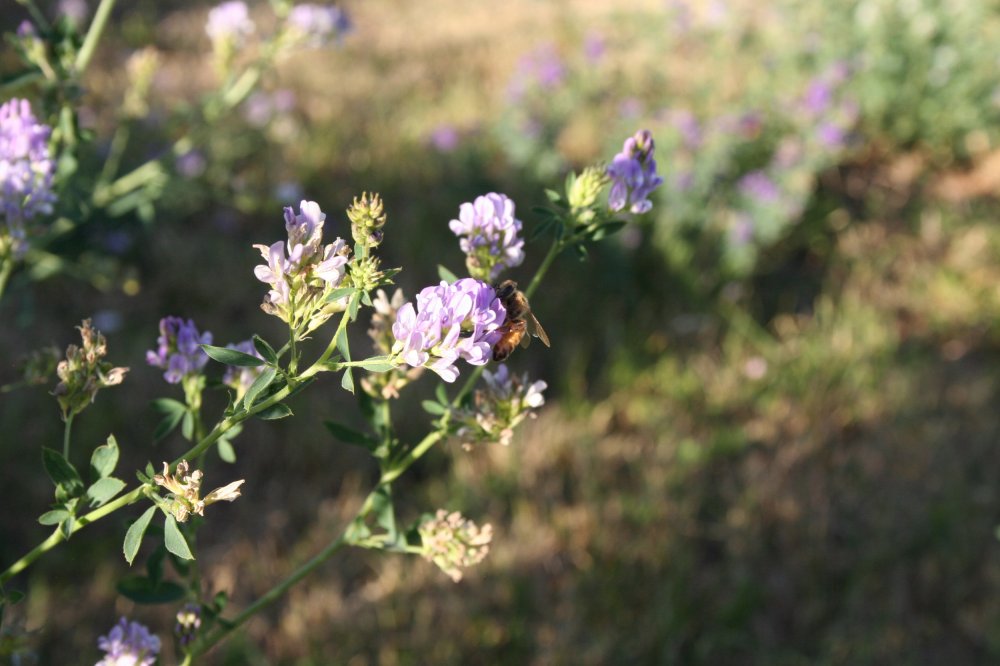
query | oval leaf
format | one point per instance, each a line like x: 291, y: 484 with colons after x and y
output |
x: 264, y: 349
x: 104, y: 489
x: 232, y: 357
x: 274, y: 412
x: 133, y: 538
x: 53, y: 517
x: 446, y: 275
x: 62, y: 473
x: 262, y: 382
x: 175, y: 541
x: 435, y: 408
x: 105, y: 458
x: 350, y: 436
x: 377, y: 364
x: 226, y: 451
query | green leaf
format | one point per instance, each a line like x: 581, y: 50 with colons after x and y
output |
x: 377, y: 364
x: 581, y: 252
x: 262, y: 382
x: 174, y: 540
x: 541, y: 228
x: 441, y: 393
x: 340, y: 293
x: 265, y: 350
x: 133, y: 538
x: 385, y: 514
x: 547, y: 213
x: 53, y: 517
x: 233, y: 357
x: 274, y: 412
x: 12, y: 597
x: 435, y: 408
x: 607, y: 229
x: 446, y: 275
x: 103, y: 490
x: 142, y: 590
x: 351, y: 436
x: 187, y: 425
x: 347, y: 381
x: 104, y: 458
x: 66, y: 527
x: 352, y: 307
x: 62, y: 473
x: 174, y: 411
x: 366, y: 299
x: 553, y: 196
x: 226, y: 451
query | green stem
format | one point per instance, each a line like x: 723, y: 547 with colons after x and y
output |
x: 320, y: 363
x: 136, y: 493
x: 66, y: 434
x: 411, y: 457
x: 57, y: 537
x: 554, y: 250
x: 270, y: 597
x: 93, y: 35
x: 6, y: 268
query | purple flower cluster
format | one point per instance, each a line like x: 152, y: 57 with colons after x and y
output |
x: 26, y: 167
x: 129, y: 644
x: 318, y: 25
x: 633, y: 174
x: 229, y: 22
x: 178, y: 350
x: 489, y: 235
x: 450, y: 321
x: 307, y: 267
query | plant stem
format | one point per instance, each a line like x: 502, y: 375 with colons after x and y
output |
x: 6, y: 268
x: 66, y: 434
x: 93, y: 35
x: 554, y: 250
x: 136, y: 493
x: 270, y: 597
x: 57, y: 537
x: 411, y: 457
x: 318, y: 366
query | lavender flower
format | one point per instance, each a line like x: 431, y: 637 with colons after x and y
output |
x: 489, y: 235
x: 498, y: 408
x: 450, y: 321
x: 26, y: 171
x: 237, y: 378
x: 633, y: 174
x: 594, y: 47
x: 302, y: 279
x: 229, y: 23
x: 542, y: 67
x: 316, y: 25
x: 129, y: 644
x: 178, y: 351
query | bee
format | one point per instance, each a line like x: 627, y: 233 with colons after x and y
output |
x: 519, y: 323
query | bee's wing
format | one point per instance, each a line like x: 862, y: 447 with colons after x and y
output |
x: 538, y: 331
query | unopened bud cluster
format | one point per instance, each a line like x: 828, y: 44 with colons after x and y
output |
x: 499, y: 407
x: 82, y: 373
x: 367, y: 219
x: 584, y: 191
x: 188, y: 623
x: 185, y: 490
x: 454, y: 543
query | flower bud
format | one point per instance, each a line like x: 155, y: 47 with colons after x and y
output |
x: 367, y: 219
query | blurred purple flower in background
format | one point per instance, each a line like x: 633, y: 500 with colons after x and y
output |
x: 129, y: 644
x: 542, y: 67
x: 594, y: 47
x: 633, y: 174
x: 449, y: 322
x: 318, y: 25
x: 229, y: 22
x: 191, y: 164
x: 489, y: 235
x: 444, y: 138
x: 76, y: 11
x: 758, y: 186
x: 178, y: 350
x: 26, y: 169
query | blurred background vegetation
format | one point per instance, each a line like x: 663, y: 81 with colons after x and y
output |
x: 771, y: 435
